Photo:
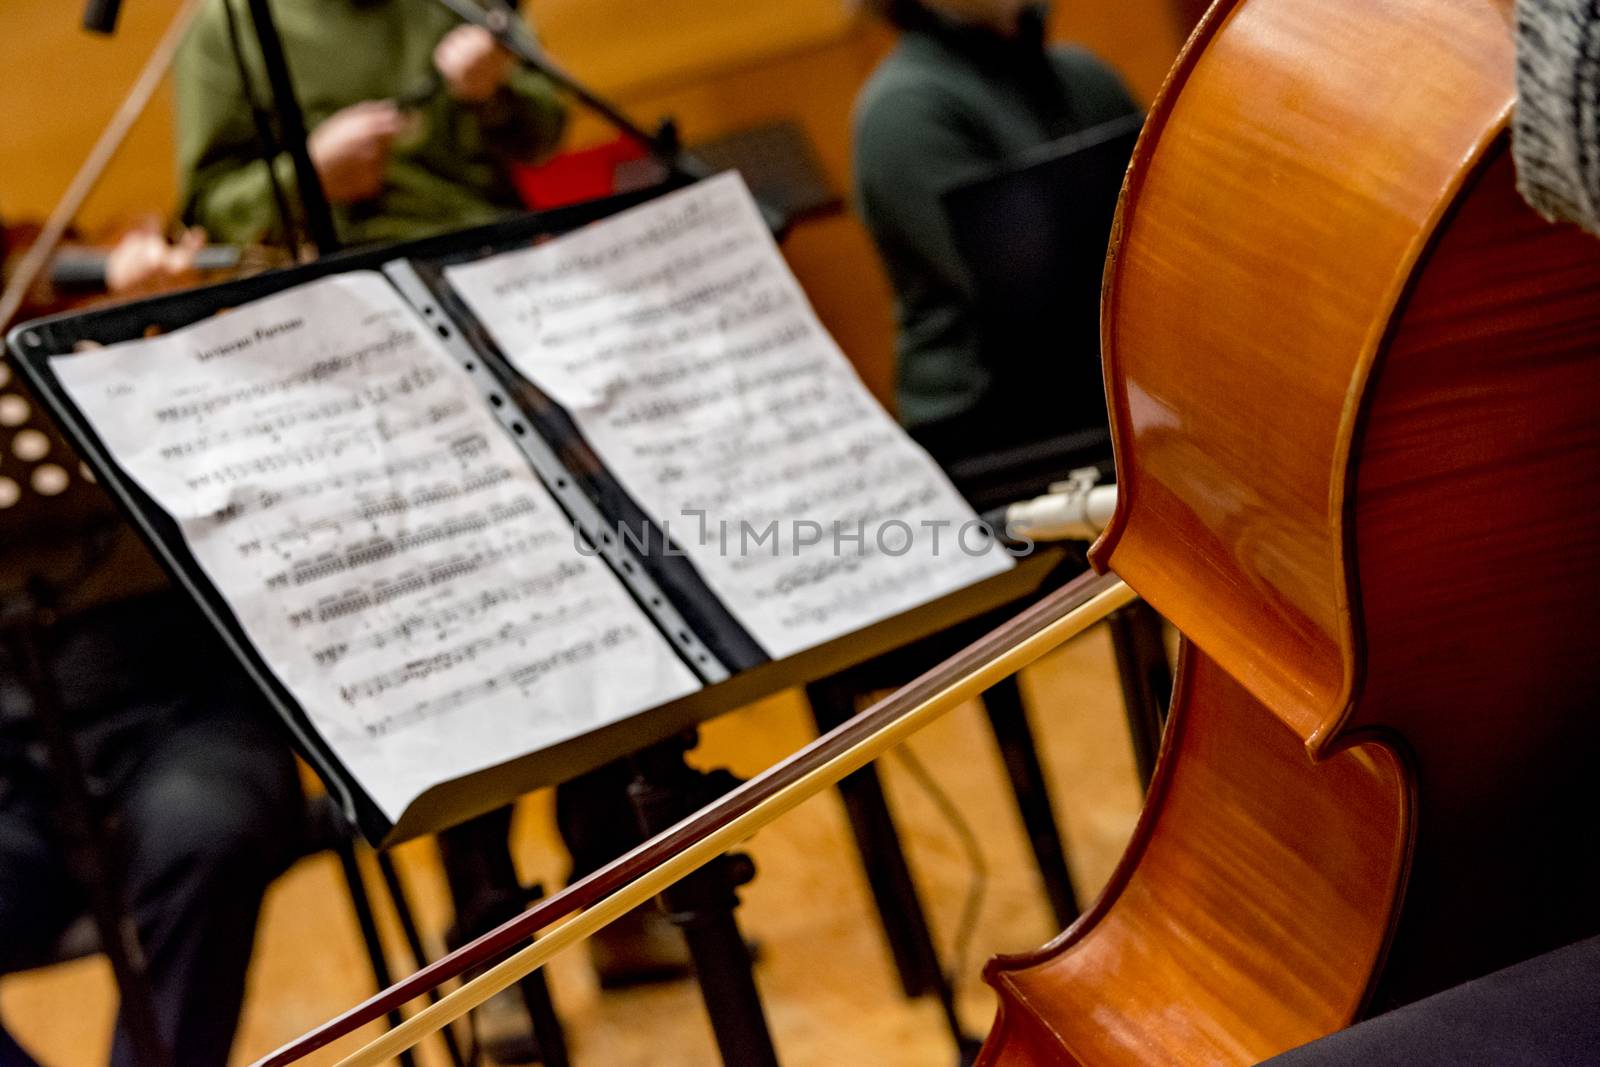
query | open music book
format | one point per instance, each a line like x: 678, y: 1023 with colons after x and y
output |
x: 469, y: 512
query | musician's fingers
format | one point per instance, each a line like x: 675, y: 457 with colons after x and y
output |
x: 472, y: 64
x: 367, y: 107
x: 369, y: 120
x: 385, y: 122
x: 133, y: 261
x: 178, y: 261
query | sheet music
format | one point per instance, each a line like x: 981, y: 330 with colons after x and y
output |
x: 382, y: 542
x: 691, y: 360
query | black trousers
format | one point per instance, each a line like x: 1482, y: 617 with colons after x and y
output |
x: 204, y: 807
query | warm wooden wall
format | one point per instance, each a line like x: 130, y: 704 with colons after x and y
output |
x: 716, y: 65
x: 59, y: 86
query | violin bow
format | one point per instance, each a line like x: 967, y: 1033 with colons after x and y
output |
x: 592, y: 902
x: 100, y: 157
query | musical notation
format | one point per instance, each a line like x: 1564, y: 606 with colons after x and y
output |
x: 691, y: 360
x: 460, y: 451
x: 521, y: 679
x: 385, y: 547
x: 440, y: 621
x: 534, y: 625
x: 380, y: 548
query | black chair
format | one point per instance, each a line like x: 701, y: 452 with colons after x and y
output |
x: 1033, y: 236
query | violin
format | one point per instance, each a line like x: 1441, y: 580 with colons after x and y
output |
x: 1353, y: 382
x: 81, y: 269
x: 74, y: 275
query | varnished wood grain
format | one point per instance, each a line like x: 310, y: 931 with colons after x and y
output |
x: 1477, y: 537
x: 1256, y: 886
x: 1353, y: 382
x: 1189, y: 12
x: 1287, y: 184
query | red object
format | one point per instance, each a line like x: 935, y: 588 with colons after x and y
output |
x: 575, y: 176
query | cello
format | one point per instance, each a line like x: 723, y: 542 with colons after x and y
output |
x: 1365, y: 486
x: 1352, y: 379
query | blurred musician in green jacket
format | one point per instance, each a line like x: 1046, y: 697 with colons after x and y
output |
x: 415, y: 120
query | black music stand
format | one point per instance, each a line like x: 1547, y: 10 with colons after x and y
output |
x: 654, y: 738
x: 1033, y: 235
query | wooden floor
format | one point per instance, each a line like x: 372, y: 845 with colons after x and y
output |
x: 825, y: 973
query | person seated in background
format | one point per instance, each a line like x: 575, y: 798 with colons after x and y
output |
x: 415, y: 122
x: 182, y: 755
x: 971, y: 85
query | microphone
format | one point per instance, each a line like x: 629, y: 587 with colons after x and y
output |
x: 1074, y: 510
x: 100, y: 16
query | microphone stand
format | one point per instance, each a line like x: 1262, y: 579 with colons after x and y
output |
x: 100, y: 16
x: 313, y: 198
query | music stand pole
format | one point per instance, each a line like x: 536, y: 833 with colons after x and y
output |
x: 313, y: 198
x: 666, y: 789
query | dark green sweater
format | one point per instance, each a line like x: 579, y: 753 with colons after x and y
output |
x: 947, y: 106
x: 341, y: 52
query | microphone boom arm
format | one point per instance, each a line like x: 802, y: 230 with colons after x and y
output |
x: 508, y: 29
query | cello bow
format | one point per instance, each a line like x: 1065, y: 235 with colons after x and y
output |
x: 592, y: 902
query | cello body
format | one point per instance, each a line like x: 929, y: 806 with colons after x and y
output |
x: 1353, y: 382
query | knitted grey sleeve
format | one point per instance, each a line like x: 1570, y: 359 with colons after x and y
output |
x: 1556, y: 130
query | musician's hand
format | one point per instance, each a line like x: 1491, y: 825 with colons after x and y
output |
x: 472, y: 65
x: 350, y: 149
x: 143, y: 262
